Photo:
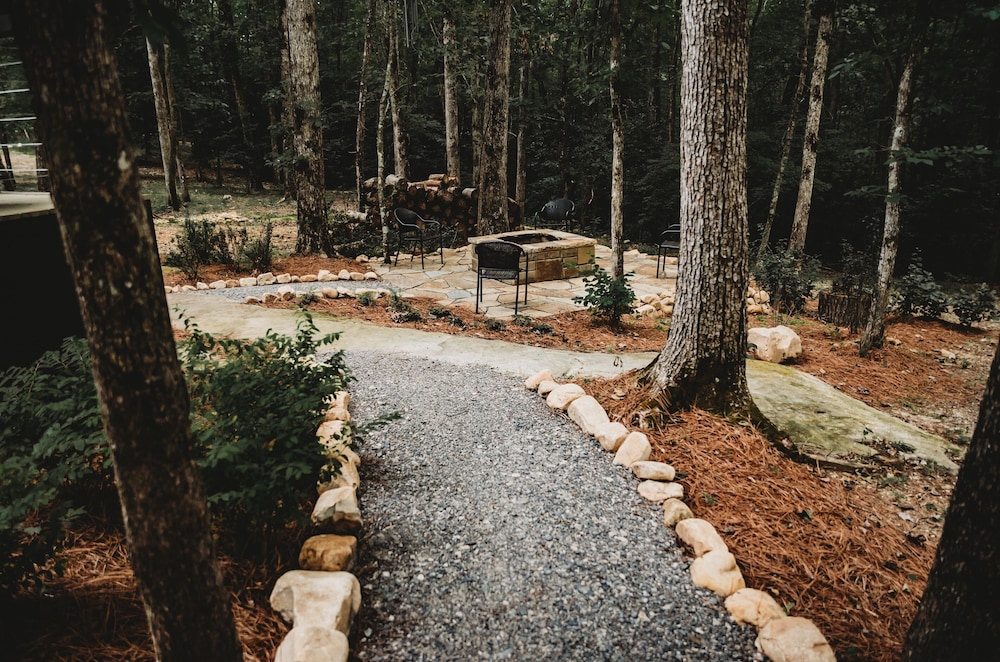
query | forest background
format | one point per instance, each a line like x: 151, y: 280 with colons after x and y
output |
x: 225, y: 63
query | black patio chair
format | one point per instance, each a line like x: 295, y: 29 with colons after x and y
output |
x: 556, y: 214
x: 417, y: 232
x: 670, y: 242
x: 501, y: 260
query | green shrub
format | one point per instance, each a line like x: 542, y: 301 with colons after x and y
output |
x: 857, y: 271
x: 256, y: 406
x: 367, y: 297
x: 976, y: 305
x: 54, y: 458
x: 789, y: 277
x: 401, y: 311
x: 494, y: 324
x: 438, y: 311
x: 455, y: 320
x: 917, y: 293
x: 258, y: 252
x: 607, y: 298
x: 522, y: 320
x: 200, y: 243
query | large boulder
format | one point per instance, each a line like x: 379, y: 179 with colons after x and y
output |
x: 775, y: 344
x: 587, y: 413
x: 313, y: 598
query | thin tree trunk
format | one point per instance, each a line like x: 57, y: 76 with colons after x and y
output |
x: 957, y: 618
x: 874, y: 333
x: 7, y: 176
x: 383, y: 106
x: 493, y: 215
x: 704, y: 360
x: 174, y: 125
x: 786, y: 140
x: 286, y: 155
x: 477, y: 137
x: 810, y: 141
x: 617, y: 144
x: 521, y: 169
x: 41, y: 167
x: 359, y: 137
x: 231, y: 66
x: 169, y: 158
x: 111, y: 249
x: 400, y: 139
x: 451, y: 141
x: 307, y: 136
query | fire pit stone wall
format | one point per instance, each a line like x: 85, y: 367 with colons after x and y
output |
x: 552, y: 254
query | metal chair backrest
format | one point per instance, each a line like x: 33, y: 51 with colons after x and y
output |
x: 499, y: 259
x: 408, y: 217
x: 558, y: 210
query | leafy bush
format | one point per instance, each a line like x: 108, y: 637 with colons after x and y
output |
x: 400, y: 310
x: 258, y: 251
x: 54, y: 459
x: 494, y: 324
x: 607, y: 298
x: 256, y: 406
x: 917, y: 293
x: 438, y: 311
x: 200, y: 243
x: 976, y: 305
x: 857, y: 271
x: 789, y: 277
x: 367, y: 297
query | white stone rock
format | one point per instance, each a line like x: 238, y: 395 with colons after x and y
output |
x: 648, y: 298
x: 587, y: 413
x: 674, y: 511
x: 531, y: 383
x: 217, y: 285
x: 283, y: 279
x: 286, y: 293
x: 328, y: 552
x: 653, y: 471
x: 313, y: 598
x: 346, y: 475
x: 794, y: 639
x: 339, y: 508
x: 645, y: 309
x: 544, y: 388
x: 337, y: 412
x: 774, y: 344
x: 347, y: 292
x: 717, y: 571
x: 324, y: 276
x: 330, y: 292
x: 248, y: 282
x: 748, y: 605
x: 308, y: 278
x: 611, y: 435
x: 361, y: 259
x: 344, y: 274
x: 563, y: 395
x: 700, y: 536
x: 655, y: 491
x: 357, y: 275
x: 253, y: 300
x: 270, y: 297
x: 266, y: 278
x: 370, y: 275
x: 313, y: 644
x: 232, y: 282
x: 188, y: 288
x: 341, y: 399
x: 201, y: 286
x: 334, y: 433
x: 634, y: 448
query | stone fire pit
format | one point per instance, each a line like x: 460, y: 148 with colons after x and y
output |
x: 552, y: 254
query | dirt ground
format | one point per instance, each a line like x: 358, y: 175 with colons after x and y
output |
x: 851, y: 551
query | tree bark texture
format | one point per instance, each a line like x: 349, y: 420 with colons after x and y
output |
x: 111, y: 249
x: 284, y: 133
x: 383, y: 106
x: 168, y: 79
x: 786, y: 140
x: 400, y: 138
x: 957, y: 618
x: 617, y: 144
x: 493, y: 215
x: 521, y: 144
x: 307, y: 134
x: 231, y: 66
x: 359, y: 136
x: 704, y: 360
x: 810, y: 141
x: 451, y: 140
x: 163, y: 123
x: 874, y: 333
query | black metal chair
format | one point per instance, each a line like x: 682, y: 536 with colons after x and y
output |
x: 501, y: 260
x: 417, y: 232
x: 670, y: 242
x: 556, y: 214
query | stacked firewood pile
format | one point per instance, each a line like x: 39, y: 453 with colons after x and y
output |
x: 439, y: 197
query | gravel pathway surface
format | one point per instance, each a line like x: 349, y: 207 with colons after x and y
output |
x: 495, y: 529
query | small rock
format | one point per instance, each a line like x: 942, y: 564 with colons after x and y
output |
x: 313, y: 644
x: 635, y: 448
x: 655, y: 491
x: 717, y: 571
x: 748, y: 605
x: 587, y: 413
x: 674, y: 511
x: 217, y: 285
x: 328, y: 552
x: 611, y: 435
x: 700, y: 535
x: 653, y: 471
x: 531, y: 383
x: 563, y: 395
x: 793, y: 639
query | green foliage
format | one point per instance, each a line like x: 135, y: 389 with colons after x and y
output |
x: 917, y: 293
x: 494, y: 324
x: 54, y: 459
x: 857, y: 272
x: 367, y: 297
x: 400, y: 310
x: 607, y: 298
x: 258, y: 253
x: 200, y: 243
x: 789, y: 277
x: 976, y: 305
x: 256, y: 406
x: 438, y: 311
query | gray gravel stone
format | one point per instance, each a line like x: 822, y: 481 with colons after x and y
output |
x: 495, y: 530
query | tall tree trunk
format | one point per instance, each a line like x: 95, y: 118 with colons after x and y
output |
x: 42, y: 168
x: 477, y: 135
x: 359, y: 136
x: 957, y: 618
x: 874, y: 333
x: 786, y: 140
x: 168, y: 79
x: 111, y: 250
x: 451, y: 141
x: 7, y: 176
x: 167, y: 143
x: 400, y: 139
x: 307, y: 136
x: 617, y: 144
x: 800, y: 223
x: 493, y: 215
x: 704, y: 360
x: 286, y: 156
x: 231, y: 66
x: 521, y: 156
x: 383, y: 215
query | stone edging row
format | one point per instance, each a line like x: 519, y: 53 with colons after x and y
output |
x: 268, y: 278
x: 780, y: 637
x: 322, y: 598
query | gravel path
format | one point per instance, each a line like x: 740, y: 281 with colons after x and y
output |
x: 495, y: 530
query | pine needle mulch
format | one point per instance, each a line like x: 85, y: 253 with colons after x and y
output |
x: 93, y: 612
x: 825, y: 547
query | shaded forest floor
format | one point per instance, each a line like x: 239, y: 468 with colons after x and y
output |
x: 849, y: 550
